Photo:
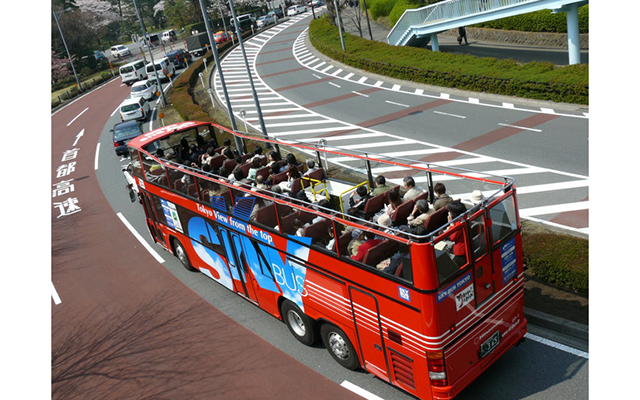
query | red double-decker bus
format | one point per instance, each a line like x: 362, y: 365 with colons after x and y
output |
x: 423, y: 299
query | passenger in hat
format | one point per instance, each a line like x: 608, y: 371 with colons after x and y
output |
x: 357, y: 238
x: 476, y: 197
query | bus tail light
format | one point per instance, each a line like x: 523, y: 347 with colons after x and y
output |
x: 436, y: 367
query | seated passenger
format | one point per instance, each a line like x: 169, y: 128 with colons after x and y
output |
x: 370, y: 241
x: 363, y: 197
x: 403, y: 257
x: 420, y: 214
x: 442, y: 198
x: 412, y: 191
x: 393, y: 202
x: 357, y: 238
x: 456, y: 208
x: 255, y: 166
x: 385, y: 221
x: 381, y: 185
x: 299, y: 226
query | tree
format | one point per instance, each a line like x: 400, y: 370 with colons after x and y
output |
x: 59, y: 67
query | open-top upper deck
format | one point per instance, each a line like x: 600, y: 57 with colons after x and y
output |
x: 337, y: 180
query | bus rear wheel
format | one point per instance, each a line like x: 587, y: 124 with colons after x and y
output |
x: 339, y: 346
x: 181, y: 253
x: 301, y: 326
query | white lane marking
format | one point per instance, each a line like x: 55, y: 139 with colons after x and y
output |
x: 334, y: 84
x: 359, y: 94
x: 449, y: 114
x: 140, y: 239
x: 359, y: 391
x: 78, y: 116
x: 558, y: 208
x: 54, y: 295
x: 396, y: 104
x: 558, y: 346
x: 95, y: 161
x: 520, y: 127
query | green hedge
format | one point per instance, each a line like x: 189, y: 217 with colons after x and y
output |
x: 535, y: 80
x: 558, y: 259
x: 540, y: 21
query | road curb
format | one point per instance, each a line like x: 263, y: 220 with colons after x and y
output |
x: 571, y: 328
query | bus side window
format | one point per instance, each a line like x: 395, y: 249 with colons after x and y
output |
x: 503, y: 219
x: 451, y: 253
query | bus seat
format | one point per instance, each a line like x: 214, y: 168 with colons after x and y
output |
x: 422, y: 196
x: 437, y: 219
x: 374, y: 204
x: 192, y: 191
x: 380, y: 252
x: 279, y: 177
x: 267, y: 217
x: 216, y: 161
x: 296, y: 186
x: 286, y: 223
x: 316, y: 231
x: 245, y: 169
x: 399, y: 216
x: 229, y: 165
x: 283, y: 210
x: 177, y: 184
x: 318, y: 174
x: 343, y: 243
x: 264, y: 171
x: 246, y: 156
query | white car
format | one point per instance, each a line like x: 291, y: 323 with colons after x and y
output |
x: 119, y: 51
x: 134, y: 108
x: 266, y: 20
x: 146, y: 89
x: 295, y: 10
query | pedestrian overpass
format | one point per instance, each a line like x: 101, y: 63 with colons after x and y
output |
x: 420, y: 26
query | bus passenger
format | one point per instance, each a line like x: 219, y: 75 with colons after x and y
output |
x: 256, y: 163
x: 442, y: 198
x: 456, y: 208
x: 412, y: 190
x: 299, y: 226
x: 357, y: 238
x: 420, y: 214
x: 401, y: 257
x: 393, y: 202
x: 359, y: 204
x: 381, y: 185
x: 370, y: 241
x: 274, y: 158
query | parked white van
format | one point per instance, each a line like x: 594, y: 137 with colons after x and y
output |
x: 165, y: 69
x: 169, y: 36
x: 134, y: 108
x: 133, y: 72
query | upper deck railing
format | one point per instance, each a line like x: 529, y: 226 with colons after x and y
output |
x: 494, y: 186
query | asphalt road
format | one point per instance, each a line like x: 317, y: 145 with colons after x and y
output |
x: 305, y: 96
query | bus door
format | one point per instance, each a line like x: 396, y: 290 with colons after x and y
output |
x: 151, y: 219
x: 369, y: 331
x: 483, y: 270
x: 241, y: 273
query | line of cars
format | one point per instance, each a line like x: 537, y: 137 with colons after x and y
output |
x: 144, y: 88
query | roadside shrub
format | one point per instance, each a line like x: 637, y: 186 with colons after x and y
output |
x: 400, y: 7
x: 562, y: 260
x: 380, y: 8
x: 540, y: 21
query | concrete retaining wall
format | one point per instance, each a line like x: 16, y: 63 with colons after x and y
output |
x: 541, y: 39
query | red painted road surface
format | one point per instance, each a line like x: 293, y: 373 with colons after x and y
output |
x: 126, y: 328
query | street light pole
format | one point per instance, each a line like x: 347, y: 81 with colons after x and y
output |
x: 147, y: 42
x: 263, y: 128
x: 55, y: 16
x: 216, y: 57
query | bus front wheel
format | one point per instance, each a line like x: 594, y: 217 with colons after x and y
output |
x: 339, y: 346
x: 301, y: 326
x: 181, y: 253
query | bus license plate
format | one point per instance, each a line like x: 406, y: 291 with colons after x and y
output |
x: 489, y: 344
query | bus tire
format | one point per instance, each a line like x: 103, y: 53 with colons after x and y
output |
x: 181, y: 254
x: 339, y: 346
x: 301, y: 326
